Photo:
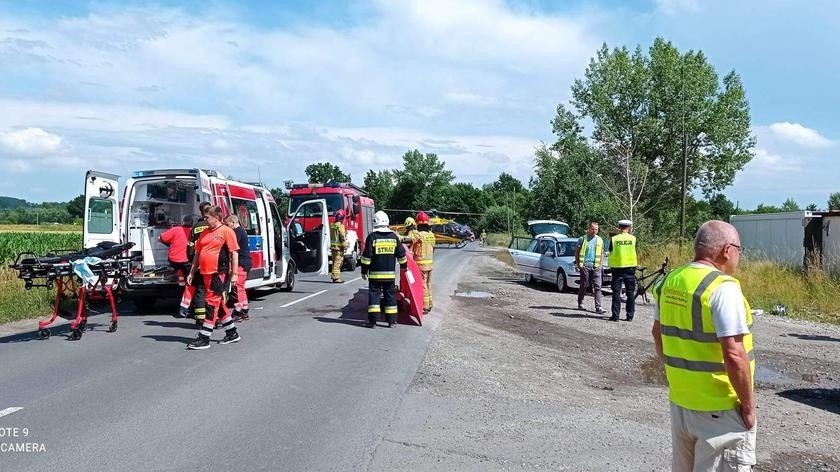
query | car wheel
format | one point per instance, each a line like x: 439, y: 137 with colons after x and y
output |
x: 561, y: 281
x: 529, y: 279
x: 351, y: 262
x: 290, y: 278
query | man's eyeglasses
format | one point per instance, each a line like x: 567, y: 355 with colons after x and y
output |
x: 738, y: 247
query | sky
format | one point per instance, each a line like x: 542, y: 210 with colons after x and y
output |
x: 260, y: 89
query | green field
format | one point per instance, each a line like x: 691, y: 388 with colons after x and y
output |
x: 812, y: 296
x: 15, y: 302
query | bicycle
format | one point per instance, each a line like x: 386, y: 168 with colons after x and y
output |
x: 645, y: 282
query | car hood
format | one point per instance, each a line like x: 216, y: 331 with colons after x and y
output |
x: 553, y: 227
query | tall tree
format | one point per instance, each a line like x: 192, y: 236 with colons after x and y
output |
x: 422, y: 176
x: 380, y: 186
x: 790, y: 205
x: 281, y: 196
x: 647, y: 111
x: 721, y: 208
x: 325, y: 172
x: 834, y: 201
x: 76, y: 207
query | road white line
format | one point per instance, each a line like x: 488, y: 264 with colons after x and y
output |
x: 302, y: 299
x: 9, y: 411
x: 351, y: 281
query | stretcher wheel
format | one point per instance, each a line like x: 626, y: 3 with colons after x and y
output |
x: 113, y: 327
x: 44, y: 333
x: 27, y: 285
x: 76, y: 334
x: 82, y: 325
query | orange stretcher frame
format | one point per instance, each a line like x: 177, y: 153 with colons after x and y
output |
x: 410, y: 295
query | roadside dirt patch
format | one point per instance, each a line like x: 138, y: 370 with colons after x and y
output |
x: 523, y: 380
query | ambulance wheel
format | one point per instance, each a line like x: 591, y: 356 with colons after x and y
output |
x: 289, y: 285
x: 113, y: 327
x: 44, y: 333
x: 76, y: 334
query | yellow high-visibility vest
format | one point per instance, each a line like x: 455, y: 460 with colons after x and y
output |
x: 623, y: 251
x: 424, y: 250
x: 697, y: 377
x: 338, y: 236
x: 599, y: 249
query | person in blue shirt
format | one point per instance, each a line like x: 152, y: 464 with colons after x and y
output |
x: 589, y: 257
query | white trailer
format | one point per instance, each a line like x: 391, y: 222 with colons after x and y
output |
x: 780, y: 237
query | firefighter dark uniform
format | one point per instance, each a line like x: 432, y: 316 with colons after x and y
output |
x: 338, y: 245
x: 383, y: 251
x: 195, y: 294
x: 423, y: 251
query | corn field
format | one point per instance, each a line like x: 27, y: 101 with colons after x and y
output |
x: 12, y: 243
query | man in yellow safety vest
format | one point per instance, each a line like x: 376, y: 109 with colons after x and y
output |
x: 589, y: 259
x: 623, y: 262
x: 701, y: 330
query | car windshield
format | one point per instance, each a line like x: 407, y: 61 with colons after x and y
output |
x: 548, y: 227
x: 334, y: 202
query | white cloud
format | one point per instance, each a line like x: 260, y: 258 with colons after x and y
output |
x: 795, y: 132
x: 29, y: 142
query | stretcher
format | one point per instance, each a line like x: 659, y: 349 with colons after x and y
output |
x: 56, y: 270
x: 410, y: 293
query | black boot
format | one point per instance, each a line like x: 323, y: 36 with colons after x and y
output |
x: 392, y: 320
x: 371, y: 320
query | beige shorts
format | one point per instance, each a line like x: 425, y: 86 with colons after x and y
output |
x: 710, y: 441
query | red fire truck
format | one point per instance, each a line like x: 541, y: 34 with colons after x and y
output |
x: 355, y: 202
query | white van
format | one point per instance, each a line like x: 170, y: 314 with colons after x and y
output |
x: 154, y: 200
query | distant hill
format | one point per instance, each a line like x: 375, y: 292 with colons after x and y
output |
x: 10, y: 203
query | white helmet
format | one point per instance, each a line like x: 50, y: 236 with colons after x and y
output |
x: 380, y: 219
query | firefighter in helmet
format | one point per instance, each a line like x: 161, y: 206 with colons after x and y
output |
x: 411, y: 235
x: 338, y: 245
x: 383, y: 251
x: 423, y: 251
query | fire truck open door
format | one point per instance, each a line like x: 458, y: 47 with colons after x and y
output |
x: 310, y: 249
x: 102, y: 217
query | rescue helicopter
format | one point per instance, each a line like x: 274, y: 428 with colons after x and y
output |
x: 447, y: 231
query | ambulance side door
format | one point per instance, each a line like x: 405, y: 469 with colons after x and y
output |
x: 310, y: 249
x: 101, y: 221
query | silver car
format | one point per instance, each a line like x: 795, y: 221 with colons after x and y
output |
x: 551, y: 258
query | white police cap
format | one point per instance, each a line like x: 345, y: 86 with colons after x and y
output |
x: 625, y: 223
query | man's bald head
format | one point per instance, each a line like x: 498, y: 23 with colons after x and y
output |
x: 713, y: 237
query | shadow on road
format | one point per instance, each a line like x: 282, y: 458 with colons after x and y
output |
x: 165, y: 338
x: 827, y: 399
x: 814, y: 337
x: 581, y: 314
x: 189, y: 323
x: 354, y: 313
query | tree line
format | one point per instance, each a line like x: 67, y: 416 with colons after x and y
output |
x: 654, y: 136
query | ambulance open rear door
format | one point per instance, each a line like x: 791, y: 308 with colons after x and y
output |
x: 101, y: 221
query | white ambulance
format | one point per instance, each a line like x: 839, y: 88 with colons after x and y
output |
x: 154, y: 200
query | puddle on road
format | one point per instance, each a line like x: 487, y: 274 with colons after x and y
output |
x: 768, y: 375
x: 473, y: 294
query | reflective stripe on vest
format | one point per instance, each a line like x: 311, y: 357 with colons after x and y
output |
x: 694, y: 365
x: 337, y: 236
x: 424, y: 250
x: 599, y: 248
x: 623, y: 251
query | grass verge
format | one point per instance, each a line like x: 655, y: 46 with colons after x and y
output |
x: 16, y: 303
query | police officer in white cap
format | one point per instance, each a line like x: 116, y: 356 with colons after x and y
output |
x: 623, y: 262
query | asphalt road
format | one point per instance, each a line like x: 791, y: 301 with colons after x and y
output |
x: 307, y: 388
